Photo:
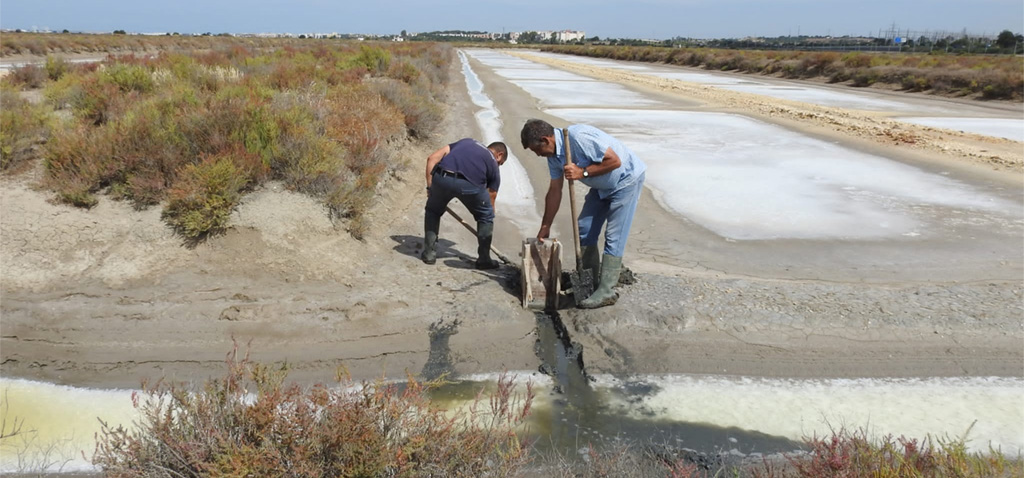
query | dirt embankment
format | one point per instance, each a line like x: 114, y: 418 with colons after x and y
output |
x: 110, y: 296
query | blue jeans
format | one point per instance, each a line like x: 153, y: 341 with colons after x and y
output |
x: 617, y: 210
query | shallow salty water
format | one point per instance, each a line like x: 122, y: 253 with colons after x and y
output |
x: 1010, y: 128
x: 704, y: 413
x: 744, y: 179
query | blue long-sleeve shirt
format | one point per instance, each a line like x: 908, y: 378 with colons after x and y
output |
x: 588, y: 146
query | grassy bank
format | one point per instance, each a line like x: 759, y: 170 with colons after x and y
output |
x: 981, y: 76
x: 43, y: 44
x: 194, y: 131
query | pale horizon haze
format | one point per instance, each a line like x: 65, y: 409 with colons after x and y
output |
x: 650, y: 19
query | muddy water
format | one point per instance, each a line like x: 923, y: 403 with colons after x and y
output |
x: 579, y: 416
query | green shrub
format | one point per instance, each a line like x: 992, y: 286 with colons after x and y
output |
x: 94, y: 100
x: 857, y: 60
x: 128, y: 77
x: 315, y: 165
x: 999, y: 91
x: 818, y: 63
x: 422, y: 114
x: 23, y: 126
x: 839, y: 75
x: 78, y: 162
x: 404, y: 71
x: 56, y: 67
x: 205, y: 194
x: 376, y: 60
x: 864, y: 78
x: 250, y: 423
x: 309, y: 123
x: 259, y: 132
x: 915, y: 83
x: 59, y: 93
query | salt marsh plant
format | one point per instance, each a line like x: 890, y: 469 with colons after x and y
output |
x: 324, y: 118
x: 853, y: 454
x: 999, y: 77
x: 251, y: 423
x: 23, y: 127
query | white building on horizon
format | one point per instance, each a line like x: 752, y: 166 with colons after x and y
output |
x: 566, y: 36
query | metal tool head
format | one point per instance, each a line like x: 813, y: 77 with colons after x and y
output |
x: 582, y: 284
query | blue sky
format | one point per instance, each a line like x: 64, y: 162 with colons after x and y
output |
x: 605, y: 18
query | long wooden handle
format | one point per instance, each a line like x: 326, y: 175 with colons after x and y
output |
x: 464, y: 223
x: 572, y: 201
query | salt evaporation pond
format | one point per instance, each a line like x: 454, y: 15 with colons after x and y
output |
x: 745, y: 179
x: 748, y: 180
x: 1010, y: 128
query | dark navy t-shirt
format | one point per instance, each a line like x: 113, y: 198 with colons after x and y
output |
x: 471, y: 158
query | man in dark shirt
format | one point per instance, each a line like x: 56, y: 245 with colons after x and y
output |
x: 468, y: 170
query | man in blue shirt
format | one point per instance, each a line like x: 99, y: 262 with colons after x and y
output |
x: 616, y: 178
x: 468, y: 170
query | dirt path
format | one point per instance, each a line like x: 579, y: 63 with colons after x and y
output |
x: 109, y: 296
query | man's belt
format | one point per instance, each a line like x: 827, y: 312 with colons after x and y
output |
x: 445, y: 172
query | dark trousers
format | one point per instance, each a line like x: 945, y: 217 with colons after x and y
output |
x: 444, y: 188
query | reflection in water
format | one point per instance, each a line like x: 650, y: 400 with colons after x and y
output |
x: 56, y: 424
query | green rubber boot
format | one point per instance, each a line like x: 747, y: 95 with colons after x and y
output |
x: 431, y: 224
x: 591, y: 256
x: 605, y: 295
x: 429, y: 254
x: 484, y: 235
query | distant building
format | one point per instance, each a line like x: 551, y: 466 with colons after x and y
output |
x: 566, y: 36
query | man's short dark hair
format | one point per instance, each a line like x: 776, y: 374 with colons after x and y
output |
x: 499, y: 147
x: 534, y: 130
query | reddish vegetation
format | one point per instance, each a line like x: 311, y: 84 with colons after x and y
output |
x: 322, y: 116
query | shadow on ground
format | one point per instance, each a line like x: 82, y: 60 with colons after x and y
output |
x: 508, y: 275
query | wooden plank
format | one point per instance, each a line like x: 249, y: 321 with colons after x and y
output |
x: 541, y: 273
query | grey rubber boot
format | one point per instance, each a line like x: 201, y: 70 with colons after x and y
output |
x: 431, y: 224
x: 591, y: 256
x: 605, y: 295
x: 484, y: 235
